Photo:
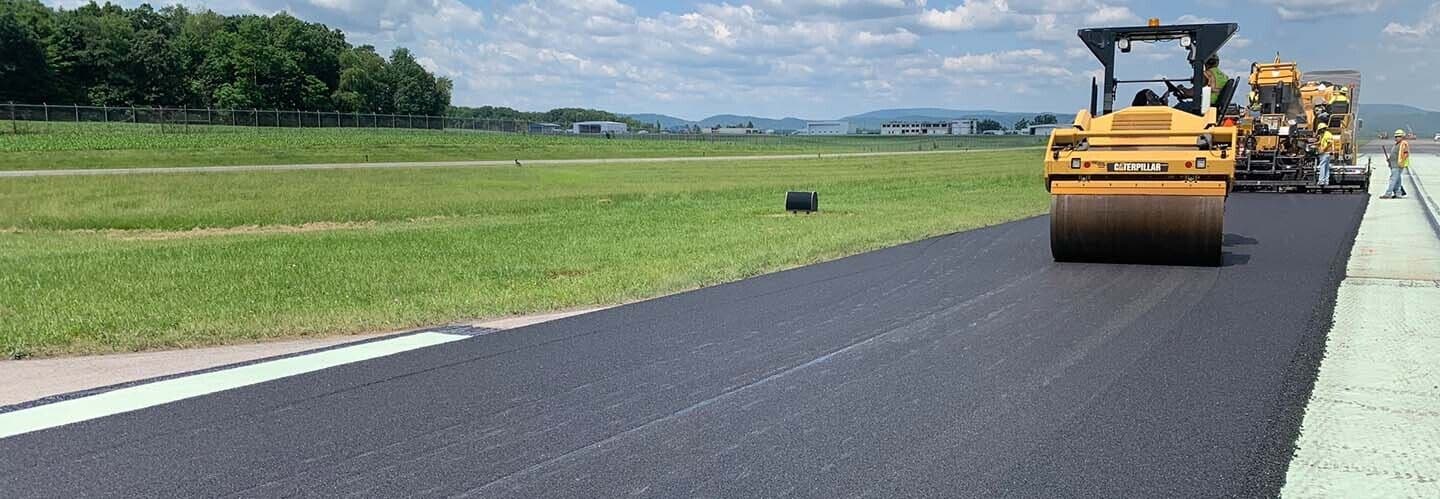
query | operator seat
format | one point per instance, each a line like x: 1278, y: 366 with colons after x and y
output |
x: 1227, y: 94
x: 1147, y: 97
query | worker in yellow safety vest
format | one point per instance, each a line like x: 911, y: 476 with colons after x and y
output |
x: 1398, y: 159
x: 1341, y: 95
x: 1326, y: 146
x: 1214, y: 78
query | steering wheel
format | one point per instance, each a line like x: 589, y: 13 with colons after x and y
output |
x: 1175, y: 90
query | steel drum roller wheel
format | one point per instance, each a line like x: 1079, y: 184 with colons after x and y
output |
x: 1184, y: 230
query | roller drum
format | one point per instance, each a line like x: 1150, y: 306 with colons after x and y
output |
x: 1182, y: 230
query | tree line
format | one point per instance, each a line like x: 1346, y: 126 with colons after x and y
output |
x: 1042, y: 119
x: 110, y: 55
x: 562, y: 116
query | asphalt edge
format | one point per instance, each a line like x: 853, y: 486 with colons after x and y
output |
x: 463, y: 328
x: 1300, y: 377
x: 1426, y: 203
x: 452, y: 329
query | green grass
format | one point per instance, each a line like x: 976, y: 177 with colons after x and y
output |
x: 116, y: 263
x: 38, y: 145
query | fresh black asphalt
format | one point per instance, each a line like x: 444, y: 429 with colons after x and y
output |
x: 963, y: 365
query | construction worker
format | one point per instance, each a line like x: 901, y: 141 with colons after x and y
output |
x: 1339, y: 101
x: 1398, y: 159
x: 1326, y: 145
x: 1214, y: 78
x: 1340, y: 95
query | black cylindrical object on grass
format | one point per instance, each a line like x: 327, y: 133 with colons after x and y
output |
x: 802, y: 201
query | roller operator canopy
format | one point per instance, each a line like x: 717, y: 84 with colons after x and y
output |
x: 1200, y: 40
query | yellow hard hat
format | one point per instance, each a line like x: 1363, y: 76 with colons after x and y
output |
x: 1321, y: 126
x: 1399, y: 133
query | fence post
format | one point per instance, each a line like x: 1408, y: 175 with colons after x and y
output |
x: 209, y: 119
x: 134, y: 118
x: 77, y: 112
x: 14, y: 125
x: 47, y: 111
x: 184, y: 118
x: 105, y: 111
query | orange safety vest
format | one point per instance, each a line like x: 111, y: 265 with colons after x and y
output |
x: 1403, y: 153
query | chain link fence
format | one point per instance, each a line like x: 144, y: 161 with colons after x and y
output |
x: 180, y: 118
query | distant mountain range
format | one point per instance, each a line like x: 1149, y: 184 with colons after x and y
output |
x: 1389, y: 117
x: 1378, y: 118
x: 869, y: 121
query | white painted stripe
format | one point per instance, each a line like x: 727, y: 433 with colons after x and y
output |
x: 171, y: 390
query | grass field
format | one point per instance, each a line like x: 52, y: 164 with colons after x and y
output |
x: 37, y: 145
x: 124, y: 263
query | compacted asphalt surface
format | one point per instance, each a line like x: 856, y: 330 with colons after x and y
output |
x: 963, y: 365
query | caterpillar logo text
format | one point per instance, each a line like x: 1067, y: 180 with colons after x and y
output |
x: 1138, y: 167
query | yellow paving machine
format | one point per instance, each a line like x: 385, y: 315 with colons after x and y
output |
x: 1279, y: 146
x: 1146, y: 183
x: 1275, y: 145
x: 1334, y: 97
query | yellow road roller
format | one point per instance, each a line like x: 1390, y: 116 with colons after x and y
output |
x: 1146, y: 183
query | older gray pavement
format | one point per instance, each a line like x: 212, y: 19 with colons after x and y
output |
x: 459, y: 164
x: 1372, y: 428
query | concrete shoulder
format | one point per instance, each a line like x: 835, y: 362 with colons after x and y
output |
x: 1372, y: 427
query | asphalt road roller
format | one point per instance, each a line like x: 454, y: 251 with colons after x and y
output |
x: 1146, y: 183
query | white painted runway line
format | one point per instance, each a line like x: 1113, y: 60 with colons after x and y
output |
x: 171, y: 390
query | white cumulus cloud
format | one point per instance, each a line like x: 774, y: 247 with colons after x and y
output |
x: 1309, y: 10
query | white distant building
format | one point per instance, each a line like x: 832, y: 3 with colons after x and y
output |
x: 1040, y: 129
x: 915, y: 128
x: 825, y: 128
x: 598, y: 127
x: 964, y: 127
x: 732, y: 130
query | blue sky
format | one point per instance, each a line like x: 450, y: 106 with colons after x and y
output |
x: 829, y: 58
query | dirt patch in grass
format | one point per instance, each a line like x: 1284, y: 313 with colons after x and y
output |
x: 164, y: 235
